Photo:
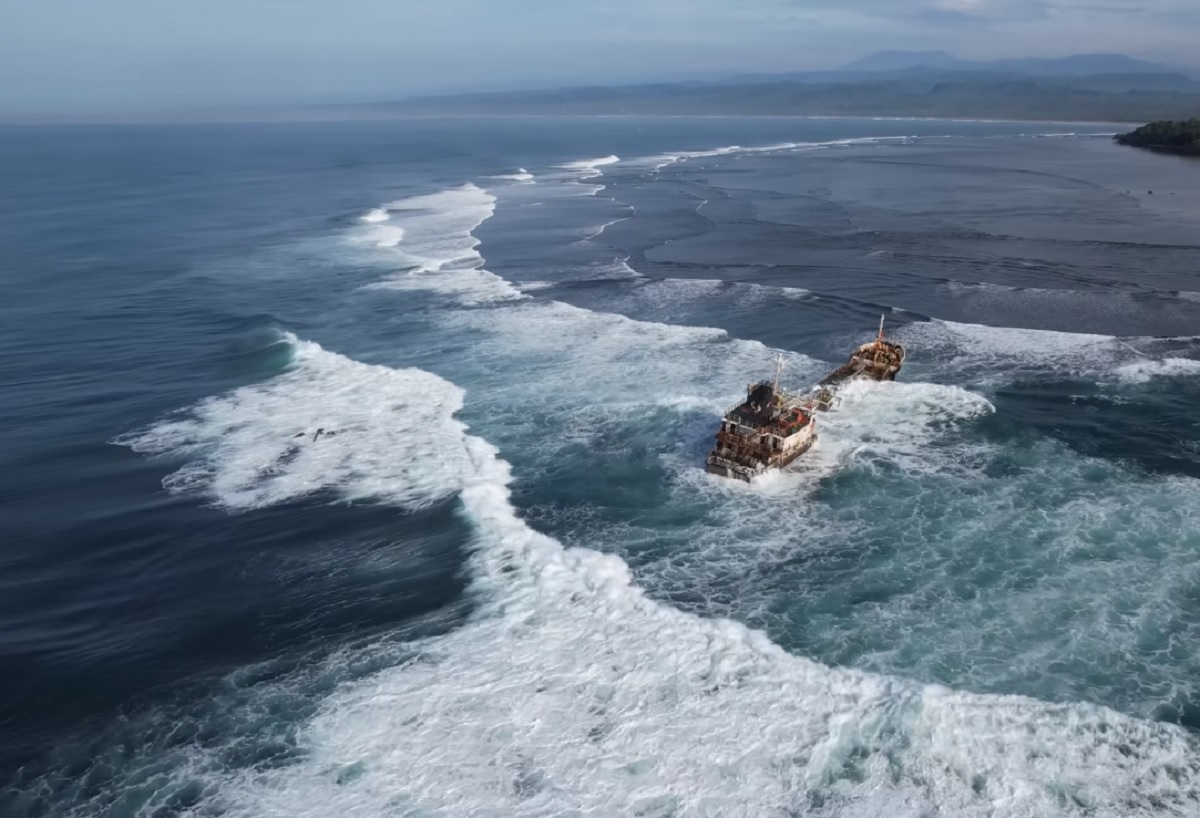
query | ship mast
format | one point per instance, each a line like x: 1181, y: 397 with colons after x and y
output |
x: 778, y: 372
x: 879, y: 337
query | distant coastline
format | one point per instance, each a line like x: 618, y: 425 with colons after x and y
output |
x: 1178, y: 137
x: 354, y: 114
x: 922, y: 95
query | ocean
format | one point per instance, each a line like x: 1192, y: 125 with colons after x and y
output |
x: 356, y: 468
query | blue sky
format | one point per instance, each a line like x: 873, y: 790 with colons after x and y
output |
x: 144, y: 55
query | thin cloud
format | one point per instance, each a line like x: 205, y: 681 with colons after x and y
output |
x: 80, y: 53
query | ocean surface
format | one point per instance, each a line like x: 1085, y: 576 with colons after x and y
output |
x: 356, y: 469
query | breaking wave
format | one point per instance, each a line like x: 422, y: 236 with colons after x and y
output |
x: 590, y: 168
x: 433, y: 242
x: 660, y: 161
x: 584, y: 170
x: 572, y: 692
x: 521, y: 175
x: 1146, y: 371
x: 991, y: 352
x: 326, y: 424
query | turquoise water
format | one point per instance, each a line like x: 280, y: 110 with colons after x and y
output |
x: 498, y: 582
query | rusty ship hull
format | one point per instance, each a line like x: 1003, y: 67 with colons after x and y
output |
x: 749, y: 462
x: 877, y: 360
x: 767, y: 431
x: 771, y: 428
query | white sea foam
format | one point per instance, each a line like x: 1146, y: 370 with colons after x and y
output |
x: 616, y: 372
x: 674, y: 291
x: 659, y: 161
x: 590, y: 233
x: 664, y: 160
x: 382, y: 235
x: 636, y: 400
x: 590, y: 168
x: 619, y: 356
x: 377, y: 214
x: 981, y: 340
x: 995, y: 350
x: 583, y: 170
x: 521, y: 175
x: 570, y: 692
x: 729, y: 149
x: 1148, y: 370
x: 976, y: 350
x: 432, y: 240
x: 258, y: 445
x: 897, y: 421
x: 617, y: 269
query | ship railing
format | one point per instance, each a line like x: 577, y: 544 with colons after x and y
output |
x: 804, y: 401
x: 732, y: 411
x: 745, y: 425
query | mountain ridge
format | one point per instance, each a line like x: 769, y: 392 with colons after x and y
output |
x: 1070, y: 65
x: 1021, y: 89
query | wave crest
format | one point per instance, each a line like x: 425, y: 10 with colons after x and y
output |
x: 572, y: 691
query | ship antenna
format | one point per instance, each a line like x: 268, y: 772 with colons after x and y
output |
x: 879, y: 338
x: 778, y: 372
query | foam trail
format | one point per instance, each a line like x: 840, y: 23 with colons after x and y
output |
x: 619, y: 355
x: 992, y: 352
x: 595, y: 232
x: 434, y: 241
x: 570, y: 692
x: 898, y: 421
x: 666, y: 291
x: 590, y: 168
x: 585, y: 169
x: 1145, y: 371
x: 384, y: 235
x: 617, y: 270
x: 660, y: 161
x: 521, y: 175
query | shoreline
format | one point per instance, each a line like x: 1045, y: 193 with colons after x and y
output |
x: 298, y: 117
x: 1169, y: 149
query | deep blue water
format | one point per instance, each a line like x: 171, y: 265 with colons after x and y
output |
x: 502, y: 584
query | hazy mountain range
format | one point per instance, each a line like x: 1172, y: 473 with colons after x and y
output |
x: 890, y: 83
x: 1073, y: 66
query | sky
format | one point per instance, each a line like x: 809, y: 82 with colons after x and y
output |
x: 92, y: 56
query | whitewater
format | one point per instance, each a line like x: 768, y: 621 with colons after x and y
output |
x: 572, y: 690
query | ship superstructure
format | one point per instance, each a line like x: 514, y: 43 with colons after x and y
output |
x: 877, y: 360
x: 771, y: 428
x: 768, y: 430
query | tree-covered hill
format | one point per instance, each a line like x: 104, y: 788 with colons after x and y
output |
x: 1177, y: 137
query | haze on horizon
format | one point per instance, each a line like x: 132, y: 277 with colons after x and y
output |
x: 82, y: 57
